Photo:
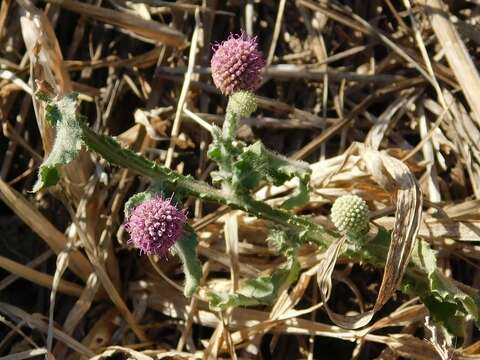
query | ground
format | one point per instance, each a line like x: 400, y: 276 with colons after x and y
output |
x: 377, y: 98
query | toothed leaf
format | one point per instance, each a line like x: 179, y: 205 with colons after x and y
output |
x: 284, y: 241
x: 257, y: 163
x: 156, y: 189
x: 63, y: 116
x: 445, y: 300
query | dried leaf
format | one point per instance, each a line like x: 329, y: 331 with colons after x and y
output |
x: 394, y: 176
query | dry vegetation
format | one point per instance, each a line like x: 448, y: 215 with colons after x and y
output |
x: 342, y: 77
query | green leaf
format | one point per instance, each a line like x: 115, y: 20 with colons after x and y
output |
x: 284, y: 241
x: 456, y: 303
x: 62, y: 114
x: 262, y: 290
x: 257, y: 163
x: 215, y: 149
x: 186, y: 248
x: 136, y: 200
x: 447, y: 303
x: 155, y: 189
x: 445, y: 300
x: 299, y: 197
x: 425, y: 257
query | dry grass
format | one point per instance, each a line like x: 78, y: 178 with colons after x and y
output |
x: 345, y: 80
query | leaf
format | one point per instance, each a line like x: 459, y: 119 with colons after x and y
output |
x: 223, y: 152
x: 256, y: 163
x: 186, y: 249
x: 447, y: 303
x: 155, y: 189
x: 215, y: 150
x: 299, y: 197
x: 262, y: 290
x: 394, y: 176
x: 408, y: 216
x: 446, y: 290
x: 284, y: 241
x: 62, y: 114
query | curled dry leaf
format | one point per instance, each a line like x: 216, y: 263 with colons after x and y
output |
x: 408, y: 346
x: 46, y: 63
x: 395, y: 177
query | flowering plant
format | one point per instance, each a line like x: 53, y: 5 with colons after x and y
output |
x: 156, y: 223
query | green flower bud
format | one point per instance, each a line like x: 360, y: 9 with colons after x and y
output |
x: 243, y: 103
x: 350, y: 215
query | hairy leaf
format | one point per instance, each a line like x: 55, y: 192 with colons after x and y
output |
x: 223, y: 152
x: 186, y: 249
x: 445, y: 300
x: 155, y: 189
x: 136, y: 200
x: 62, y: 114
x: 284, y: 241
x: 257, y: 163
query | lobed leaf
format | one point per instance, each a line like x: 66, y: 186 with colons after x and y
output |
x: 446, y: 302
x: 62, y: 114
x: 284, y: 241
x: 257, y: 163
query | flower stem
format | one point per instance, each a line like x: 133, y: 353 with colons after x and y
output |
x: 374, y: 251
x: 109, y: 149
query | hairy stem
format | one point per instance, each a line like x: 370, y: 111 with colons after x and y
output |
x: 230, y: 126
x: 374, y: 251
x: 110, y: 150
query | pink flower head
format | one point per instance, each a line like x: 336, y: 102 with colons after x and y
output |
x: 155, y: 226
x: 237, y: 64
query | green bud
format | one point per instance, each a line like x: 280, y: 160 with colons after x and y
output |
x: 243, y: 103
x: 350, y: 215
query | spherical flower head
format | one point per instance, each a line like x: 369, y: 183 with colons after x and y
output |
x: 243, y: 103
x: 155, y: 226
x: 237, y: 64
x: 350, y: 215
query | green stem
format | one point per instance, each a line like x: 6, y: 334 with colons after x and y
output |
x: 230, y: 126
x: 109, y: 149
x: 373, y: 252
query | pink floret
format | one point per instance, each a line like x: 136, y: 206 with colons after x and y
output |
x: 237, y: 64
x: 155, y: 226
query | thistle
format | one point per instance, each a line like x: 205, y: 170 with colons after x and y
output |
x: 237, y: 64
x: 155, y: 226
x: 350, y: 215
